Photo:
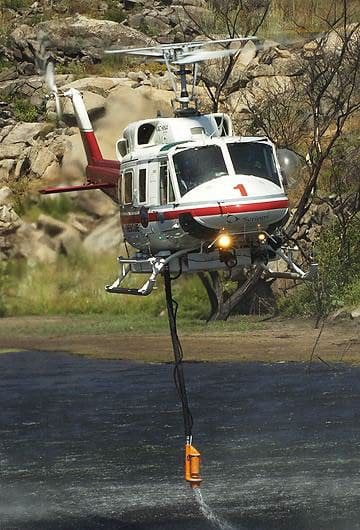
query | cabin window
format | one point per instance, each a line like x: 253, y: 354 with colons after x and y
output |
x: 198, y: 165
x: 142, y: 185
x: 128, y: 178
x: 163, y: 182
x: 166, y: 188
x: 145, y: 132
x: 197, y: 130
x: 256, y: 159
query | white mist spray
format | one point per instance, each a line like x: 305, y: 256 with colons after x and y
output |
x: 207, y: 512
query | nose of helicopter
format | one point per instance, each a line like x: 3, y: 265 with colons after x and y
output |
x: 239, y: 203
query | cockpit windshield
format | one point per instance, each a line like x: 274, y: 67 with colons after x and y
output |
x: 198, y: 165
x: 252, y: 158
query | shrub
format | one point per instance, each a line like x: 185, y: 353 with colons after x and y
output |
x: 24, y: 110
x: 338, y: 282
x: 116, y: 14
x: 4, y: 63
x: 15, y: 4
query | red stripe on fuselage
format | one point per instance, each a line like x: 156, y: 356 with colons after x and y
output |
x: 208, y: 211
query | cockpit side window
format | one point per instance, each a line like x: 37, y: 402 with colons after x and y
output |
x: 198, y: 165
x: 145, y: 132
x: 250, y: 158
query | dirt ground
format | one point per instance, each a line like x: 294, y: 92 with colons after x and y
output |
x: 276, y: 340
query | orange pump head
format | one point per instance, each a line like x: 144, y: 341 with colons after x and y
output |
x: 192, y: 466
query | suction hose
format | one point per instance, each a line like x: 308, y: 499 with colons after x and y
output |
x: 192, y: 455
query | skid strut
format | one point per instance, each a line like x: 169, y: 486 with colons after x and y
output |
x: 155, y: 263
x: 192, y: 455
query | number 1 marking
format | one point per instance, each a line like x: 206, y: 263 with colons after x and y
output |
x: 242, y: 189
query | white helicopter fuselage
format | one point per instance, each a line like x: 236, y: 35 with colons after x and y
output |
x: 192, y: 180
x: 192, y: 195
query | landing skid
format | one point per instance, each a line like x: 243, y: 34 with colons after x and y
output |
x: 127, y: 265
x: 195, y: 261
x: 295, y: 273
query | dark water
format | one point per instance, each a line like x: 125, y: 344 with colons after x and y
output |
x: 87, y: 444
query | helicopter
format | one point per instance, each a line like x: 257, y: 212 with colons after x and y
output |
x: 192, y: 195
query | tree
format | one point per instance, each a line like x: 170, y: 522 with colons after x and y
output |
x: 320, y: 111
x: 232, y: 18
x: 309, y: 117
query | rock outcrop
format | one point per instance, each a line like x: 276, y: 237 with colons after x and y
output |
x: 79, y: 39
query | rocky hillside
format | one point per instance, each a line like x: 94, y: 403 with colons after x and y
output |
x: 34, y: 151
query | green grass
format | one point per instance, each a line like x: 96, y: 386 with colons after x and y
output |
x: 58, y: 207
x: 74, y: 286
x: 108, y: 324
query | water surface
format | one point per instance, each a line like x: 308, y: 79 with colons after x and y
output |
x: 87, y: 444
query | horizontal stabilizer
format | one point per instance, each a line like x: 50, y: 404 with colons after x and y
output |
x: 82, y: 187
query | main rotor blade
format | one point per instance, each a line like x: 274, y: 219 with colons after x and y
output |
x: 152, y: 52
x: 222, y: 41
x: 157, y: 51
x: 197, y: 57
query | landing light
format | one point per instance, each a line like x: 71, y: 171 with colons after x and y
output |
x: 262, y: 237
x: 224, y: 241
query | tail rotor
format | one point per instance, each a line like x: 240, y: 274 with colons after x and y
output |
x: 53, y: 90
x: 46, y: 68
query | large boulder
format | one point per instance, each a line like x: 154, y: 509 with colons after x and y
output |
x: 51, y: 226
x: 34, y: 245
x: 247, y: 54
x: 23, y: 132
x: 94, y: 103
x: 77, y: 37
x: 95, y: 203
x: 260, y: 87
x: 14, y: 150
x: 41, y: 158
x: 64, y: 237
x: 6, y: 195
x: 32, y: 88
x: 107, y: 236
x: 7, y: 167
x: 9, y: 220
x: 97, y: 85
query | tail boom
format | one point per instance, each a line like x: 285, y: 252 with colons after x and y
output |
x: 101, y: 173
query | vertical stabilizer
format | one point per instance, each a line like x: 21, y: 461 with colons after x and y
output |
x: 90, y: 143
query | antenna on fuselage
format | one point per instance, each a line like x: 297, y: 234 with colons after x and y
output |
x: 182, y: 55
